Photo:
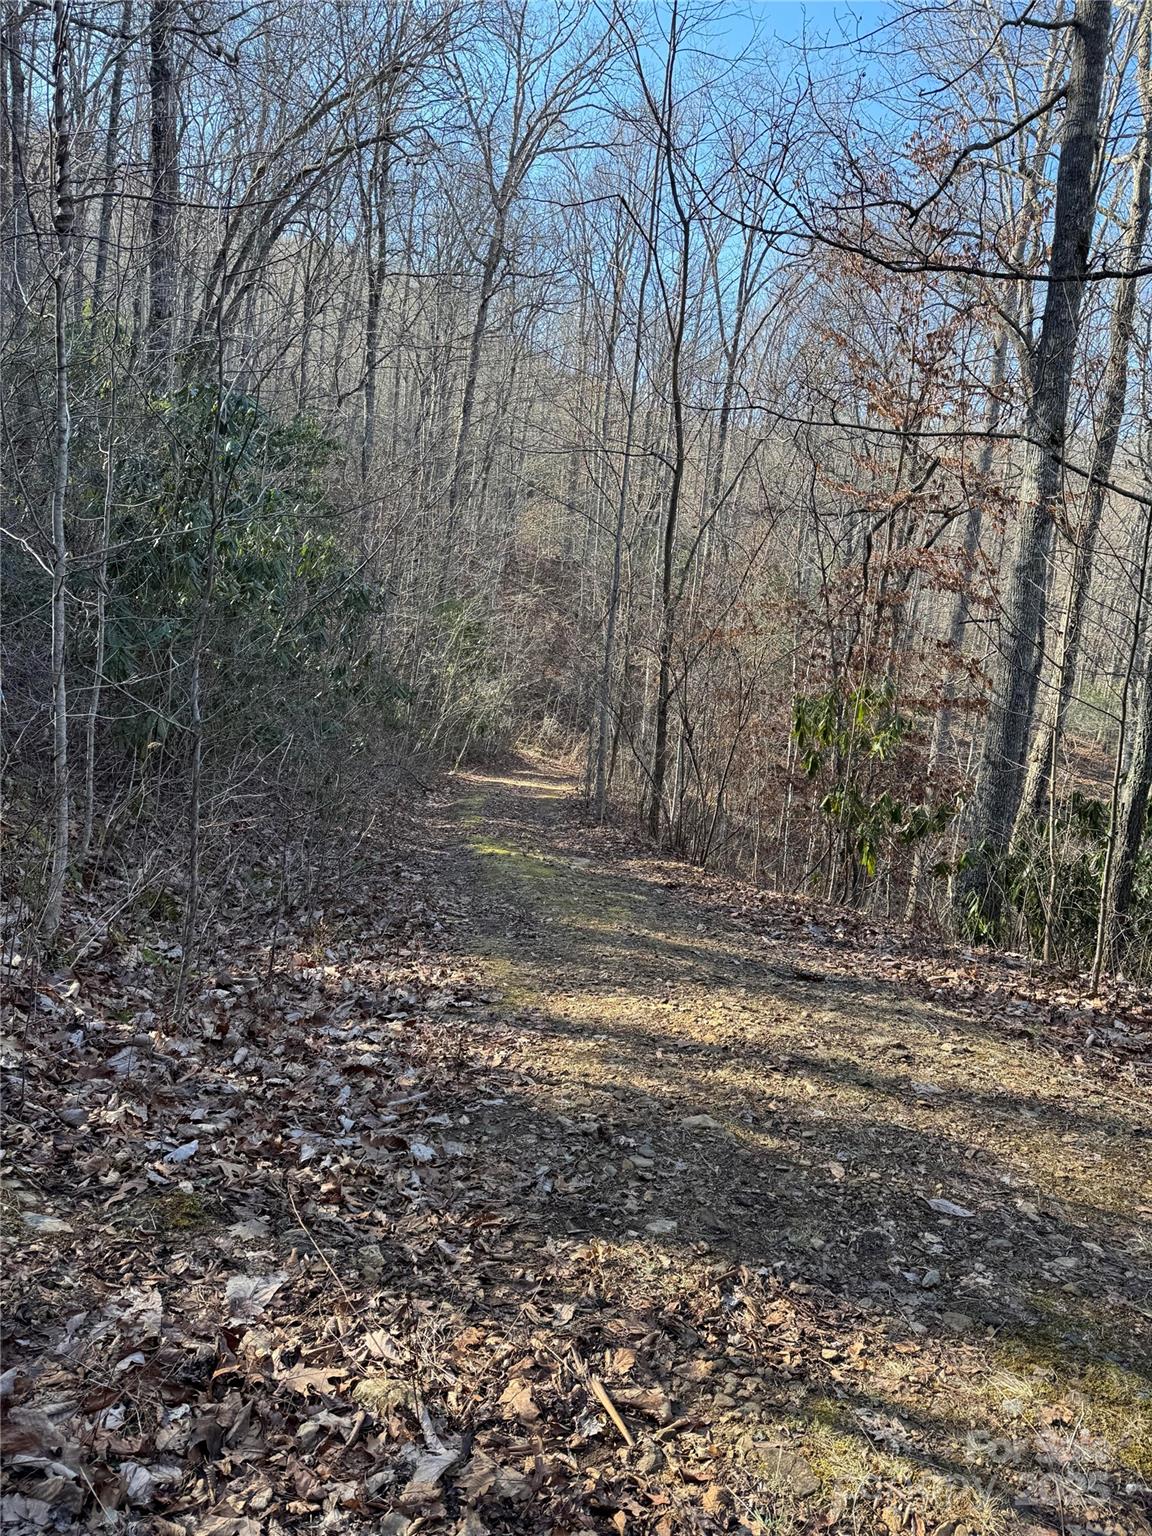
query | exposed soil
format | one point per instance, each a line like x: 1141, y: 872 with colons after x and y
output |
x: 529, y: 1183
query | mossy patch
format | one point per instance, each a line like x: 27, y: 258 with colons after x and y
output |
x: 847, y: 1465
x: 469, y: 811
x: 176, y: 1211
x: 1113, y: 1402
x: 538, y: 867
x: 160, y: 903
x: 11, y: 1221
x: 512, y: 982
x: 1074, y: 1329
x: 551, y: 888
x: 839, y: 1457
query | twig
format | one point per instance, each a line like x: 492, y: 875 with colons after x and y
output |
x: 353, y: 1308
x: 600, y: 1393
x: 598, y: 1390
x: 674, y: 1428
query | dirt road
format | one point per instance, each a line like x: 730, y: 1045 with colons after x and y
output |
x: 707, y: 1077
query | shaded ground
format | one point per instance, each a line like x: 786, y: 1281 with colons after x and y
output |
x: 770, y: 1092
x: 516, y: 1181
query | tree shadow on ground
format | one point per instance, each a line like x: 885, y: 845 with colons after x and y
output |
x: 822, y: 1160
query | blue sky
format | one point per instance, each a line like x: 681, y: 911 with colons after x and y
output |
x: 829, y: 21
x: 792, y: 12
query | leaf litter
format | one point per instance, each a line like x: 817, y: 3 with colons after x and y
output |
x: 409, y: 1236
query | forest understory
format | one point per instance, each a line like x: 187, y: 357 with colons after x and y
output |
x: 527, y: 1181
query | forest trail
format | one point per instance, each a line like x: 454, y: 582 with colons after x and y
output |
x: 841, y: 1098
x: 721, y: 1075
x: 529, y: 1183
x: 387, y: 1149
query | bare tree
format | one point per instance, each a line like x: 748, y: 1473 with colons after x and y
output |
x: 1113, y: 396
x: 60, y: 257
x: 164, y: 188
x: 1051, y: 365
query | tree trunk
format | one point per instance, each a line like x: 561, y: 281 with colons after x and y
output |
x: 667, y: 602
x: 678, y: 324
x: 1004, y: 758
x: 1114, y: 396
x: 189, y: 930
x: 96, y: 688
x: 19, y: 409
x: 962, y: 609
x: 1133, y: 815
x: 63, y: 215
x: 492, y: 259
x: 111, y: 156
x: 15, y: 179
x: 163, y: 194
x: 1130, y: 838
x: 375, y: 232
x: 604, y: 709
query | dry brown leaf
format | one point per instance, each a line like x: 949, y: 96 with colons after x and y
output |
x: 306, y: 1379
x: 517, y: 1396
x: 652, y: 1401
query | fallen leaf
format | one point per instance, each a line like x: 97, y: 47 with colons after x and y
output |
x: 382, y: 1346
x: 249, y: 1295
x: 949, y: 1207
x: 312, y: 1378
x: 431, y: 1466
x: 20, y: 1513
x: 140, y: 1485
x: 518, y: 1397
x: 652, y: 1401
x: 715, y: 1498
x: 251, y: 1230
x: 622, y: 1361
x: 46, y: 1225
